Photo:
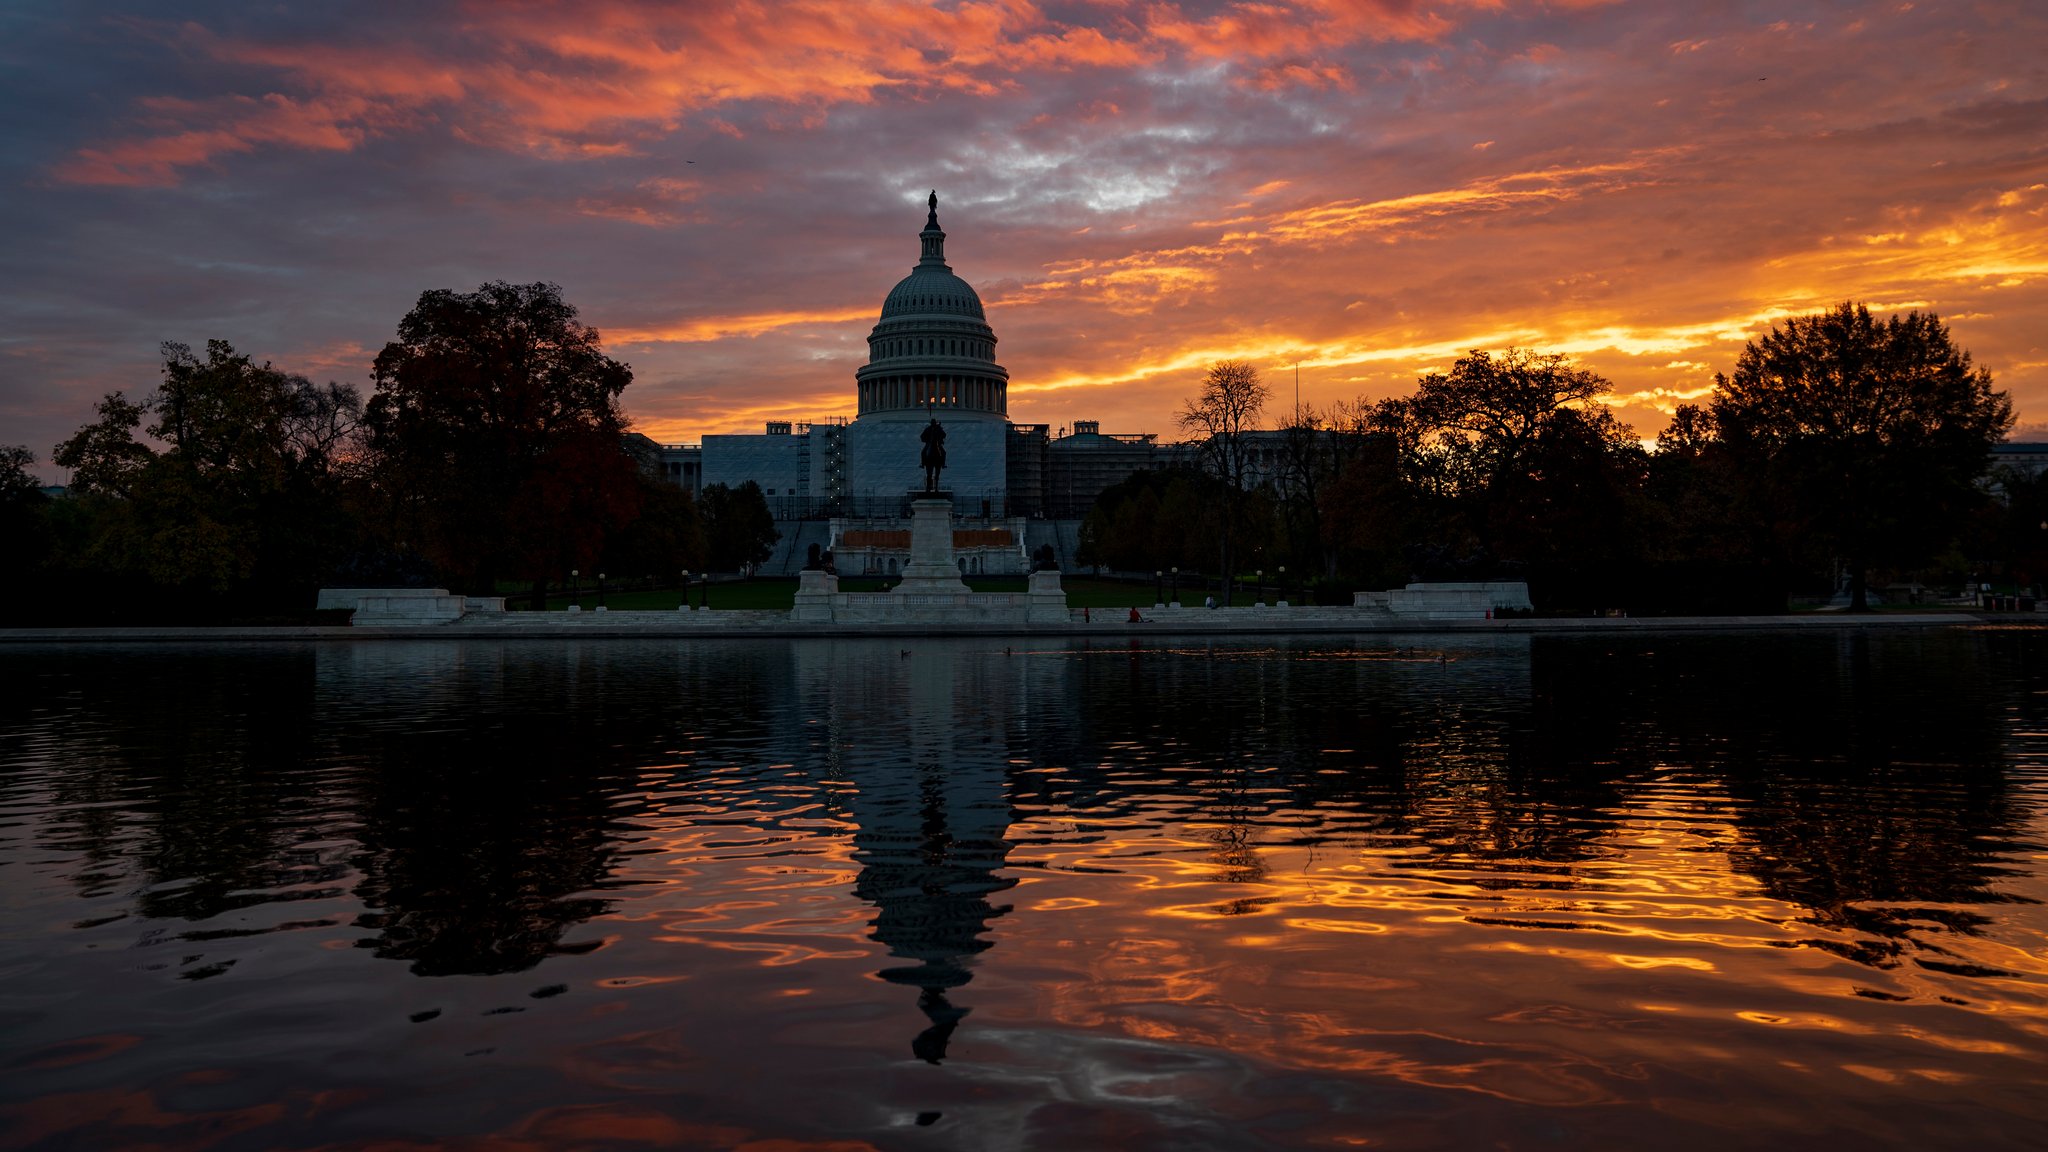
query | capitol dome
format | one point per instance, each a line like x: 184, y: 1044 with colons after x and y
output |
x: 932, y: 351
x: 932, y: 289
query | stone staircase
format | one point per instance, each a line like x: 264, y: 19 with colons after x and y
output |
x: 1063, y: 535
x: 794, y: 549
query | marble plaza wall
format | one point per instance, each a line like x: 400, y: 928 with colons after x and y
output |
x: 819, y: 601
x: 1474, y: 600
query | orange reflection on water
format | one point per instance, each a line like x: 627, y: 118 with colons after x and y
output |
x: 1415, y: 957
x: 1245, y: 894
x: 31, y: 1123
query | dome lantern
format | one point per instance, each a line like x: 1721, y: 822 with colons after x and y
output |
x: 932, y: 237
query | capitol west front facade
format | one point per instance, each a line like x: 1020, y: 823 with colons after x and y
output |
x: 932, y: 355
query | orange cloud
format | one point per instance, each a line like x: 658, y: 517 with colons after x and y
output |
x: 1266, y: 30
x: 597, y: 79
x: 685, y: 419
x: 1997, y: 244
x: 594, y: 78
x: 2002, y: 241
x: 1136, y: 282
x: 1342, y: 219
x: 725, y: 327
x: 240, y: 124
x: 656, y: 203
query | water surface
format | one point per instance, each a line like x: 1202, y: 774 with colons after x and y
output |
x: 1684, y: 891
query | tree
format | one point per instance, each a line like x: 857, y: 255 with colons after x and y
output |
x: 1875, y: 432
x: 18, y: 486
x: 665, y: 539
x: 1309, y: 459
x: 24, y: 527
x: 246, y: 490
x: 1486, y: 415
x: 1152, y: 520
x: 1714, y: 540
x: 1521, y: 468
x: 497, y: 434
x: 104, y: 457
x: 738, y: 528
x: 1218, y: 419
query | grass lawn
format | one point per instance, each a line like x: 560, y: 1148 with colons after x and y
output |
x: 780, y: 595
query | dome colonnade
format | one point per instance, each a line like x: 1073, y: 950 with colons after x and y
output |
x: 933, y: 350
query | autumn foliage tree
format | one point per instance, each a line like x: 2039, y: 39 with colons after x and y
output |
x: 496, y: 434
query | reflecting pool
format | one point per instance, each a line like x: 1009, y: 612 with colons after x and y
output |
x: 1700, y: 891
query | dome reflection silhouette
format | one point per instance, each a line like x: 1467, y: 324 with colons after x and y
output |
x: 932, y: 804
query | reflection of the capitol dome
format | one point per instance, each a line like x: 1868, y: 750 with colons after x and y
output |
x: 921, y: 737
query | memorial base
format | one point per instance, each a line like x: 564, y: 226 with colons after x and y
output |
x: 931, y: 593
x: 930, y: 569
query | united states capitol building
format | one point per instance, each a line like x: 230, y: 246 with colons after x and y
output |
x: 846, y: 483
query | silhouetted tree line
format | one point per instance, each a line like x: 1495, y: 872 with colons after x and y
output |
x: 492, y: 449
x: 1840, y: 446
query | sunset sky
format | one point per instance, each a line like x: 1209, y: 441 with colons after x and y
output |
x: 1365, y: 187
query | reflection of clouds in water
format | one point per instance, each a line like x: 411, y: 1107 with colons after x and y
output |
x: 1506, y: 763
x: 489, y: 776
x: 1253, y: 883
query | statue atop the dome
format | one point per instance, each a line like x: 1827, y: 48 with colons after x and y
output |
x: 932, y: 221
x: 933, y: 458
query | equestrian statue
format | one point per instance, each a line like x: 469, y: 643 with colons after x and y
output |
x: 934, y: 455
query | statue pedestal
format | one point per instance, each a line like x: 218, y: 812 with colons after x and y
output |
x: 931, y: 597
x: 1046, y: 602
x: 930, y: 568
x: 815, y: 589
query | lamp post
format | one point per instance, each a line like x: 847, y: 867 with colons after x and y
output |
x: 685, y: 605
x: 1158, y: 588
x: 704, y: 600
x: 1176, y: 588
x: 1282, y: 597
x: 576, y: 589
x: 600, y: 591
x: 1259, y: 587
